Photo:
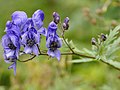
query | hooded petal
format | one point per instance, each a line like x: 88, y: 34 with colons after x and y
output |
x: 52, y: 29
x: 13, y: 66
x: 38, y: 18
x: 12, y: 28
x: 19, y: 18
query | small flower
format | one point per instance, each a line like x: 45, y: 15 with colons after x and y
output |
x: 53, y: 43
x: 11, y: 45
x: 56, y: 17
x: 19, y: 18
x: 65, y: 24
x: 30, y: 40
x: 103, y: 37
x: 11, y: 28
x: 52, y: 28
x: 93, y: 41
x: 38, y: 18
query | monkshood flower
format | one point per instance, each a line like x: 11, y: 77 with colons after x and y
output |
x: 11, y: 45
x: 19, y: 18
x: 53, y: 43
x: 30, y: 40
x: 38, y: 18
x: 12, y: 28
x: 52, y: 28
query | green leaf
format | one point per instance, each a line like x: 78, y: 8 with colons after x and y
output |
x: 112, y: 35
x: 83, y: 60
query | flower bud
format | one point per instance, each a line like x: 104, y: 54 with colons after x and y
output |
x: 65, y: 24
x: 93, y: 41
x: 103, y: 37
x: 56, y: 17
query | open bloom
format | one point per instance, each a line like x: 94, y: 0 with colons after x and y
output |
x: 38, y: 18
x: 30, y: 41
x: 53, y: 43
x: 11, y: 45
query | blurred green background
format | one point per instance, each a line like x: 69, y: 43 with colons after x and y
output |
x: 88, y: 18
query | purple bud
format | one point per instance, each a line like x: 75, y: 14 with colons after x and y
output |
x: 66, y: 20
x: 103, y: 37
x: 56, y: 17
x: 93, y: 41
x: 65, y: 24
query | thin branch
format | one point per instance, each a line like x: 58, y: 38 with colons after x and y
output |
x: 28, y: 59
x: 65, y: 53
x: 110, y: 64
x: 38, y: 49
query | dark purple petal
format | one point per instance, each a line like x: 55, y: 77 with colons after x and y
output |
x: 13, y: 66
x: 19, y: 18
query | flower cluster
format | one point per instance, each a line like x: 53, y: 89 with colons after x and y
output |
x: 26, y: 32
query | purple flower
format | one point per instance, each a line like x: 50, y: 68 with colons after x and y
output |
x: 38, y: 18
x: 19, y: 18
x: 11, y: 45
x: 30, y: 40
x: 52, y: 28
x: 12, y: 28
x: 53, y: 43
